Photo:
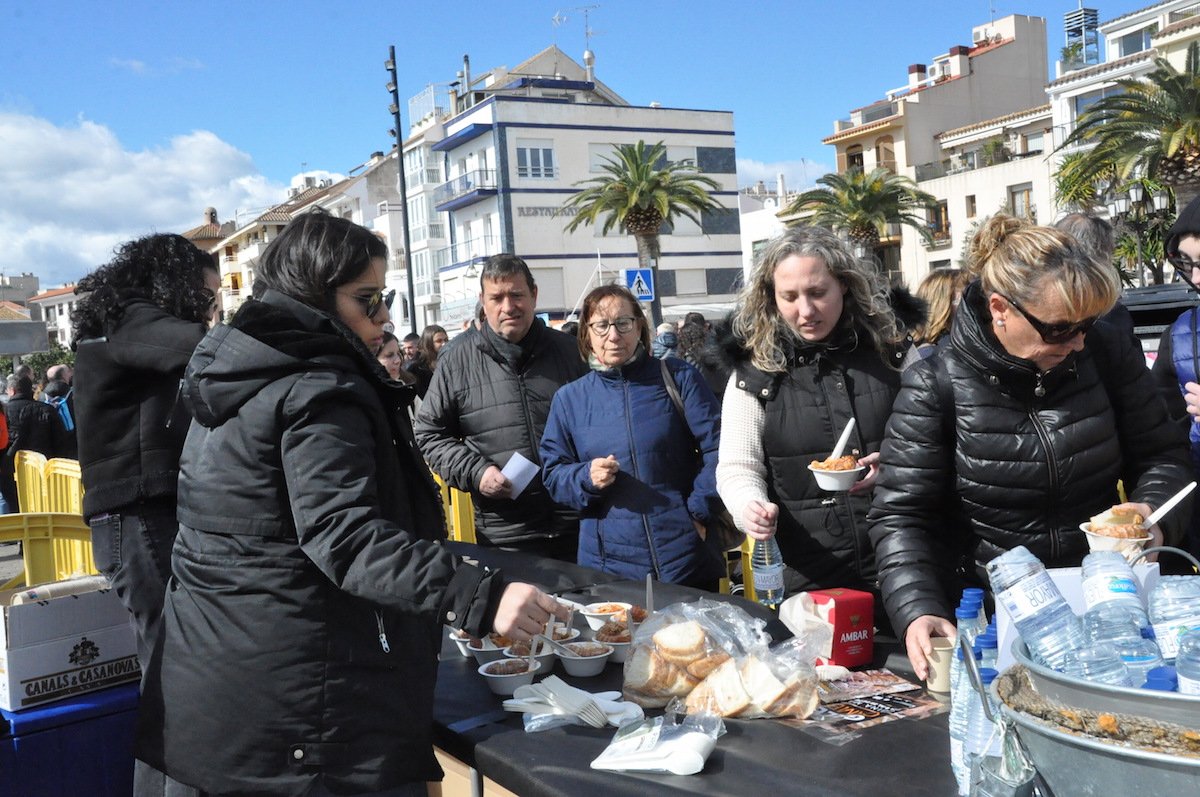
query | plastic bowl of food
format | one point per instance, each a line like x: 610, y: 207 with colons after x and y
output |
x: 463, y: 640
x: 597, y: 614
x: 564, y: 634
x: 837, y: 481
x: 591, y: 658
x: 490, y: 648
x: 618, y: 637
x: 520, y: 650
x: 504, y: 676
x: 1128, y: 546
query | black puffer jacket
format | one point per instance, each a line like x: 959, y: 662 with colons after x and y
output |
x: 480, y: 409
x: 302, y: 625
x: 129, y: 422
x: 1024, y: 469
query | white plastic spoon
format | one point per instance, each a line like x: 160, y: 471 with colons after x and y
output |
x: 845, y: 438
x: 1162, y: 511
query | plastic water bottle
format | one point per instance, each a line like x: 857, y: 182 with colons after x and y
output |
x: 1101, y: 663
x: 988, y: 649
x: 1110, y: 622
x: 766, y: 564
x: 1162, y: 678
x: 1046, y: 623
x: 964, y: 621
x: 1174, y: 611
x: 1108, y: 579
x: 1140, y: 657
x: 1187, y: 663
x: 960, y: 700
x: 971, y: 600
x: 983, y: 740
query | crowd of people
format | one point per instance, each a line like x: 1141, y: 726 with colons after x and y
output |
x: 260, y: 490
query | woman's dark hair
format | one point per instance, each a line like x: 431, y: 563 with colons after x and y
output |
x: 692, y: 338
x: 166, y: 270
x: 314, y: 255
x: 425, y: 348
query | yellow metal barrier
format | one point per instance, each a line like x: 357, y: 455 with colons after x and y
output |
x: 748, y: 570
x: 31, y: 481
x: 64, y: 486
x: 459, y: 512
x: 43, y: 535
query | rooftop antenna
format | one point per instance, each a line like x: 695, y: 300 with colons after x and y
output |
x: 587, y: 29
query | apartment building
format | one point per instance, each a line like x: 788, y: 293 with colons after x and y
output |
x: 513, y: 148
x: 54, y: 307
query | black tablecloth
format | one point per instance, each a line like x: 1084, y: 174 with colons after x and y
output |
x: 763, y: 758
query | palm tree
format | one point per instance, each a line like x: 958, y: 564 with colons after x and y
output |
x: 863, y: 205
x: 1078, y: 186
x: 640, y: 192
x: 1151, y: 128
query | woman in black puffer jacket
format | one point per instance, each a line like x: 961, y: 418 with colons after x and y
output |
x: 1016, y: 430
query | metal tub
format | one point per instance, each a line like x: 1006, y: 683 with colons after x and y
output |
x: 1071, y: 691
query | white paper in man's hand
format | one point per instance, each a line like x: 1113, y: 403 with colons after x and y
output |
x: 520, y: 472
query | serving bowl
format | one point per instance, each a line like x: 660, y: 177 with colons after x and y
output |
x: 1129, y: 547
x: 597, y: 614
x: 837, y: 481
x: 462, y: 640
x: 592, y: 656
x: 486, y: 650
x: 503, y: 682
x: 520, y: 650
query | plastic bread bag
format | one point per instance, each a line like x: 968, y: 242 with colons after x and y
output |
x: 659, y: 745
x: 681, y: 645
x: 766, y: 682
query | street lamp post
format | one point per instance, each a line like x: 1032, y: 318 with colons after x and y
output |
x: 398, y: 133
x: 1138, y: 211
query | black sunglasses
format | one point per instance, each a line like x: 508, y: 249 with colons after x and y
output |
x: 1059, y: 332
x: 1183, y: 264
x: 375, y: 302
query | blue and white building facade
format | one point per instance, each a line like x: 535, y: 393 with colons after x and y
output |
x: 514, y: 150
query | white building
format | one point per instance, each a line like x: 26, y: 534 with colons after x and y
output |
x: 54, y: 307
x: 513, y: 151
x: 1002, y: 71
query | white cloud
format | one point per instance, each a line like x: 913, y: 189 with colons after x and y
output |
x: 171, y: 66
x: 797, y: 174
x: 130, y: 64
x: 73, y: 193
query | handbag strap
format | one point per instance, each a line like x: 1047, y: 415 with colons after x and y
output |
x: 673, y: 390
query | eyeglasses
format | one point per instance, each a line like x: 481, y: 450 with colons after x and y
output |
x: 1183, y: 264
x: 375, y: 302
x: 623, y: 324
x: 1059, y: 332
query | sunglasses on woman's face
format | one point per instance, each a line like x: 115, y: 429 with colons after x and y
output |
x: 375, y: 302
x: 1058, y: 332
x: 1183, y: 264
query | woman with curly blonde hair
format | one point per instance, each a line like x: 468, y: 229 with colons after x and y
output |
x: 1016, y: 430
x: 816, y: 343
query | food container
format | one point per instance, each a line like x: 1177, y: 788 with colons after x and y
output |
x: 485, y: 650
x: 462, y: 640
x: 505, y: 683
x: 597, y: 614
x: 589, y: 662
x: 520, y: 650
x: 837, y: 481
x: 564, y: 635
x: 1173, y: 707
x: 1129, y: 547
x: 1081, y: 766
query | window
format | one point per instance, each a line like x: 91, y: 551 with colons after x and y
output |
x: 599, y: 155
x: 854, y: 158
x: 971, y: 206
x: 1084, y: 101
x: 885, y: 153
x: 1020, y: 201
x: 1034, y: 143
x: 1135, y: 42
x: 939, y: 221
x: 535, y: 159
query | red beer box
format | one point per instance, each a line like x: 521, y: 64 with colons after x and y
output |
x: 851, y: 612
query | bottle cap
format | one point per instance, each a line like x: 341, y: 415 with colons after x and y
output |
x: 966, y: 612
x: 1159, y: 686
x: 987, y: 675
x: 973, y: 592
x: 1166, y: 674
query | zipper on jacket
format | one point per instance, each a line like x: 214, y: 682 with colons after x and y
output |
x: 838, y: 372
x: 175, y: 403
x: 637, y: 475
x: 1044, y: 437
x: 533, y: 438
x: 383, y: 642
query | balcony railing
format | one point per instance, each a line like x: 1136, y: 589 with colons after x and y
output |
x: 939, y: 239
x: 423, y: 232
x: 426, y: 176
x: 468, y: 251
x: 477, y: 180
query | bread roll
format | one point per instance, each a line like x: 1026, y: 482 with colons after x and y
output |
x: 721, y: 693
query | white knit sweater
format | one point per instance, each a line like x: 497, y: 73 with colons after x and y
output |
x: 741, y: 463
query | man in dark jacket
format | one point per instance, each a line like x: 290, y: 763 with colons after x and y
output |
x: 32, y: 426
x: 489, y: 401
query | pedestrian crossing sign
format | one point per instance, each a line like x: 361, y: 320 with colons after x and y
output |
x: 640, y: 281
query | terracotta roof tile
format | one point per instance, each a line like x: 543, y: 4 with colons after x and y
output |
x: 52, y: 293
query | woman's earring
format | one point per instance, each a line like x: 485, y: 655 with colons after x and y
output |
x: 999, y: 322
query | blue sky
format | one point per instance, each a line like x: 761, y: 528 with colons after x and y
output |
x: 122, y: 118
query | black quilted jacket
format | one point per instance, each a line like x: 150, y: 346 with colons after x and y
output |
x: 1022, y: 469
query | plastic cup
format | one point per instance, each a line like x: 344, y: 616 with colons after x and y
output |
x: 1129, y: 547
x: 939, y: 664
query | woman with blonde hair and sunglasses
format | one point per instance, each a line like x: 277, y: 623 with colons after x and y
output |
x: 1017, y: 431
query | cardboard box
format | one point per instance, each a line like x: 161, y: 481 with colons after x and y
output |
x: 57, y: 648
x: 851, y: 613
